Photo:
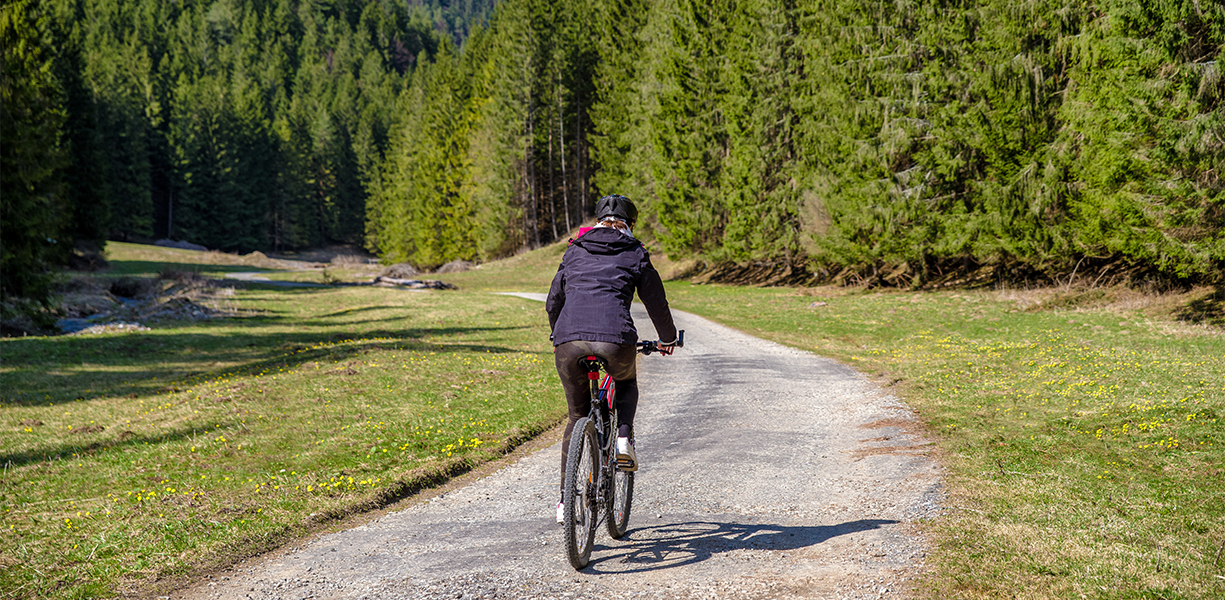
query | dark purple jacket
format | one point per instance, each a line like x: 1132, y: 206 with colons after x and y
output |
x: 594, y: 286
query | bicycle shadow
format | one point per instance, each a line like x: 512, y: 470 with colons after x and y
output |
x: 679, y: 544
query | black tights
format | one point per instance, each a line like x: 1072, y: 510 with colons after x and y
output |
x: 622, y: 365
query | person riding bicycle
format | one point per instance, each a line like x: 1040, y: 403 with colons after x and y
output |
x: 589, y: 315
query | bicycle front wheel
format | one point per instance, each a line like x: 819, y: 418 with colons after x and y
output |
x: 579, y: 498
x: 620, y: 495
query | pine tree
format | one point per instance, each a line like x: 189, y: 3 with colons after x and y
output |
x: 1141, y: 136
x: 620, y: 141
x: 493, y: 147
x: 504, y: 157
x: 755, y: 191
x: 32, y: 197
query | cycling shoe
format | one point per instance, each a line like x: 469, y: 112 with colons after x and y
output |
x: 627, y: 459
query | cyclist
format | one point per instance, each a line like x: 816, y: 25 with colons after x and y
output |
x: 589, y: 314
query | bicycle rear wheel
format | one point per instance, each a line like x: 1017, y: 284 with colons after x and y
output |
x: 620, y: 495
x: 579, y: 498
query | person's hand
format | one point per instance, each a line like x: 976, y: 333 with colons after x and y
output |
x: 666, y: 348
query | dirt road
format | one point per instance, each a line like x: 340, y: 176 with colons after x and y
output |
x: 766, y: 473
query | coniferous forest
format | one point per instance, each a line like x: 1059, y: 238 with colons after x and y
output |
x: 891, y: 142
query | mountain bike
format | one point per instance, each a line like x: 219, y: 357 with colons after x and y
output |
x: 594, y: 479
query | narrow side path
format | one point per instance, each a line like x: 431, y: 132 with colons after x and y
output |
x: 767, y: 472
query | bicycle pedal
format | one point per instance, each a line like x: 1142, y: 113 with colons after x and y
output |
x: 626, y: 464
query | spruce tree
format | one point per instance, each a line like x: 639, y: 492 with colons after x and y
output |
x: 34, y: 204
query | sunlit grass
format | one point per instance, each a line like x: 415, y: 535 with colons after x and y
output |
x: 1084, y: 447
x: 147, y: 261
x: 134, y: 460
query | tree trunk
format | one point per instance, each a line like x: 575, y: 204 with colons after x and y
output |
x: 561, y: 134
x: 531, y: 176
x: 552, y: 186
x: 578, y: 165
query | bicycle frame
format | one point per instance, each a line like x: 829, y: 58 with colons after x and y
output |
x: 603, y: 415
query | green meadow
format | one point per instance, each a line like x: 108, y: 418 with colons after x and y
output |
x: 1080, y: 429
x: 134, y: 461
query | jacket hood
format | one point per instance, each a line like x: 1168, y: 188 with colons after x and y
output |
x: 606, y: 240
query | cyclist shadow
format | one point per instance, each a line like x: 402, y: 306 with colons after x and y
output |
x: 679, y: 544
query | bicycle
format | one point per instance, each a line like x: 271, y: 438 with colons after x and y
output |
x: 594, y: 478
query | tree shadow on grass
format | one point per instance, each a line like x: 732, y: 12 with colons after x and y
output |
x: 1209, y: 310
x: 139, y: 364
x: 149, y: 267
x: 679, y: 544
x: 353, y: 311
x: 93, y: 444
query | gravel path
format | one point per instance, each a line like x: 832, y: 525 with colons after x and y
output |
x: 766, y: 473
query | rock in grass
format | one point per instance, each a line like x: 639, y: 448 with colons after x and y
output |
x: 400, y: 271
x: 455, y: 266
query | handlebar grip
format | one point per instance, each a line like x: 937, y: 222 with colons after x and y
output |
x: 651, y: 346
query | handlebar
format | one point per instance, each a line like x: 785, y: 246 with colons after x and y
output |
x: 651, y: 346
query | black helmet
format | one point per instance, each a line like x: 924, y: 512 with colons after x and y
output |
x: 617, y: 206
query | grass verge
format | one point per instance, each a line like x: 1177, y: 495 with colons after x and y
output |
x: 135, y: 460
x: 1085, y: 445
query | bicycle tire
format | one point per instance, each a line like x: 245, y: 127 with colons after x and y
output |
x: 620, y: 497
x: 579, y: 498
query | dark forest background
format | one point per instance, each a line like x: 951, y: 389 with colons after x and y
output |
x: 901, y: 142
